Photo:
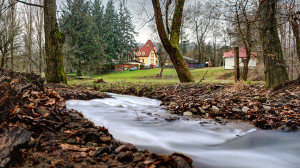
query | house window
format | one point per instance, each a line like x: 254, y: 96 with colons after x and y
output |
x: 152, y: 61
x: 139, y: 53
x: 143, y: 61
x: 143, y: 53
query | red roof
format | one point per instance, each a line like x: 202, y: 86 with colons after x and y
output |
x: 147, y: 48
x: 242, y: 53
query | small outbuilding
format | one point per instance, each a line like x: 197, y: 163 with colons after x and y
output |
x: 228, y: 58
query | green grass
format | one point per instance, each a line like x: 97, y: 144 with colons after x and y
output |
x: 146, y: 76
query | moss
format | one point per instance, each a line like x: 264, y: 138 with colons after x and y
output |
x: 59, y: 34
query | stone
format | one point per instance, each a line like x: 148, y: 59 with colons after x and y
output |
x: 120, y: 148
x: 214, y: 111
x: 194, y: 110
x: 138, y: 157
x: 201, y: 110
x: 125, y: 156
x: 267, y: 107
x: 187, y: 113
x: 181, y: 163
x: 219, y: 119
x: 90, y: 144
x: 236, y: 109
x: 12, y: 141
x: 173, y: 105
x: 105, y: 139
x: 245, y: 109
x: 99, y: 151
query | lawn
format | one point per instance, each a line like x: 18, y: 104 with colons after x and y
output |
x: 169, y: 76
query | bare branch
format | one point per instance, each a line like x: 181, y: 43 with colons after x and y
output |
x: 31, y: 4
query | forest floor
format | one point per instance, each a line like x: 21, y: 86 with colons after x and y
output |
x: 37, y: 130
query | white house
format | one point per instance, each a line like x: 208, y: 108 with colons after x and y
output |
x: 228, y: 58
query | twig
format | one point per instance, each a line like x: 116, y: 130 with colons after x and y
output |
x: 23, y: 88
x: 201, y: 79
x: 177, y: 86
x: 31, y: 4
x: 137, y: 115
x: 37, y: 142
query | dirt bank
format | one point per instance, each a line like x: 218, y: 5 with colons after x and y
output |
x: 36, y: 130
x: 252, y: 103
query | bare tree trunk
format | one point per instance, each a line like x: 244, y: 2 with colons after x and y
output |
x: 236, y: 64
x: 172, y: 45
x: 296, y: 29
x: 39, y: 27
x: 275, y: 67
x: 162, y: 65
x: 54, y: 40
x: 12, y: 34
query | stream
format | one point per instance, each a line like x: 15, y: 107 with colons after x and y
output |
x: 141, y: 121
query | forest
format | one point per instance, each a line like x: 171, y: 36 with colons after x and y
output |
x: 64, y: 102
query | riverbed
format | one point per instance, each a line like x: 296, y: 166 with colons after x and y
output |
x: 141, y: 121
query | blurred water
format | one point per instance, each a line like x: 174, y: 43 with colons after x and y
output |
x: 141, y: 121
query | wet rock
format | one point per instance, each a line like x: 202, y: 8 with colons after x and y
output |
x: 201, y: 110
x: 173, y: 105
x: 99, y: 151
x: 194, y: 110
x: 10, y: 144
x: 120, y: 148
x: 245, y: 109
x: 125, y: 147
x: 267, y: 107
x: 171, y: 118
x: 187, y: 113
x: 214, y: 111
x: 181, y: 163
x: 182, y: 160
x: 289, y: 126
x: 138, y: 157
x: 125, y: 156
x: 105, y: 139
x: 236, y: 109
x: 204, y: 122
x: 90, y: 144
x: 219, y: 119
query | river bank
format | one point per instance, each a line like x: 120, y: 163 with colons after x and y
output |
x: 266, y: 109
x: 236, y: 144
x: 37, y: 130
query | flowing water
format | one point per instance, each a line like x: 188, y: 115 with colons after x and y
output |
x: 141, y: 121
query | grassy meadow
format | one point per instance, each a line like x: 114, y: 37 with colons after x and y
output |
x: 148, y: 76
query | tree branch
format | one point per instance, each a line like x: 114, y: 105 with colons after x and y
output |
x: 31, y: 4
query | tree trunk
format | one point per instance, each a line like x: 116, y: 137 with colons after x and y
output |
x: 172, y: 45
x: 12, y: 34
x: 296, y: 29
x: 3, y: 60
x: 246, y: 65
x: 54, y: 40
x: 275, y: 67
x: 78, y: 72
x: 236, y: 64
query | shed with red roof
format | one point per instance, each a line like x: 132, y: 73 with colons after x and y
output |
x: 228, y: 58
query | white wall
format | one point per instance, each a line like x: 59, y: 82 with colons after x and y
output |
x: 229, y: 62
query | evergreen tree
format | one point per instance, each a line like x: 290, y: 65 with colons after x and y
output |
x: 127, y: 32
x: 110, y: 33
x: 82, y: 35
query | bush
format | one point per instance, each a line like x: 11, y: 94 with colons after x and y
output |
x: 142, y: 66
